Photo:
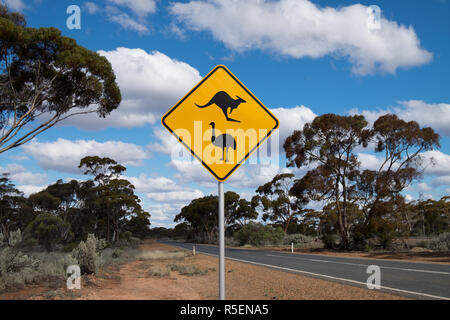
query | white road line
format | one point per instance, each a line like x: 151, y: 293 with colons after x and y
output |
x: 306, y: 259
x: 362, y: 265
x: 330, y: 277
x: 325, y: 276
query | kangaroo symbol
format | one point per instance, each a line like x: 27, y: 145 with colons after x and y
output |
x: 224, y: 101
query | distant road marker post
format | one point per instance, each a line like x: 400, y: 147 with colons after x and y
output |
x: 235, y: 124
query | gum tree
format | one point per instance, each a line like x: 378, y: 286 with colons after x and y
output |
x: 46, y: 78
x: 276, y: 202
x: 329, y: 147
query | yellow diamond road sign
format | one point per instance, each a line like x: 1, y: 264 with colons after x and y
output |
x: 220, y: 122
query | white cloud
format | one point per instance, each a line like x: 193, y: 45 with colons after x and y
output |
x: 128, y: 23
x: 442, y: 181
x: 146, y: 184
x: 166, y: 143
x: 19, y: 174
x: 292, y: 119
x: 64, y: 155
x: 299, y: 28
x: 151, y: 83
x: 247, y: 176
x: 164, y: 190
x: 91, y: 7
x: 19, y: 157
x: 140, y: 7
x: 435, y: 115
x: 440, y: 162
x: 175, y: 196
x: 163, y: 214
x: 30, y: 189
x: 422, y: 187
x: 15, y: 4
x: 369, y: 161
x: 192, y: 171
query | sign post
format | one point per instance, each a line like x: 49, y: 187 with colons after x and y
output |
x: 221, y: 242
x: 221, y: 123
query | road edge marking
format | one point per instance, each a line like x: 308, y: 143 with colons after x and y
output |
x: 324, y: 276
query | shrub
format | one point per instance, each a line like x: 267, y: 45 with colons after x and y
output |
x: 330, y: 240
x: 258, y: 235
x: 442, y: 243
x: 422, y: 244
x: 87, y: 254
x: 18, y: 269
x: 297, y: 238
x: 69, y: 247
x: 48, y: 229
x: 157, y: 271
x: 117, y: 256
x: 187, y: 270
x: 127, y: 235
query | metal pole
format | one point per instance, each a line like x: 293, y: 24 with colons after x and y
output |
x: 221, y: 242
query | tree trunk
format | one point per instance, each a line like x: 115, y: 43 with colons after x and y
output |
x: 5, y: 232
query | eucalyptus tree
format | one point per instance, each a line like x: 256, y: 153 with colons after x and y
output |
x: 329, y: 146
x: 46, y: 78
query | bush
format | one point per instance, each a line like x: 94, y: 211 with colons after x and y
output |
x: 48, y: 229
x: 127, y: 235
x: 157, y: 271
x: 297, y: 239
x: 422, y: 244
x: 258, y: 235
x: 330, y: 240
x: 87, y: 254
x: 442, y: 243
x: 18, y: 269
x: 187, y: 270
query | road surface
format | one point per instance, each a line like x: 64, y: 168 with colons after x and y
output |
x: 413, y: 279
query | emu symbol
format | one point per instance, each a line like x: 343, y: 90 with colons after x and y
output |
x: 224, y: 141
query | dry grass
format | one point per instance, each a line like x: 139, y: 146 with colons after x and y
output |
x: 162, y: 255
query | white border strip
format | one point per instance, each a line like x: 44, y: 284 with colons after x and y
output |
x: 324, y: 276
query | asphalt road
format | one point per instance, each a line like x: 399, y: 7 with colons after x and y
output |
x: 413, y: 279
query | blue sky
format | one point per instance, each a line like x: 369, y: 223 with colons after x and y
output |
x: 300, y: 58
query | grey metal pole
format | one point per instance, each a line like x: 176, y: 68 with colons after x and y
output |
x: 221, y: 242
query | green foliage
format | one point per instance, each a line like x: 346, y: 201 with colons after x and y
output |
x: 297, y: 239
x: 11, y: 200
x: 276, y: 203
x: 48, y: 230
x: 199, y: 218
x: 330, y: 241
x: 87, y: 254
x: 45, y: 73
x: 127, y: 235
x: 331, y: 143
x: 257, y: 234
x: 18, y: 269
